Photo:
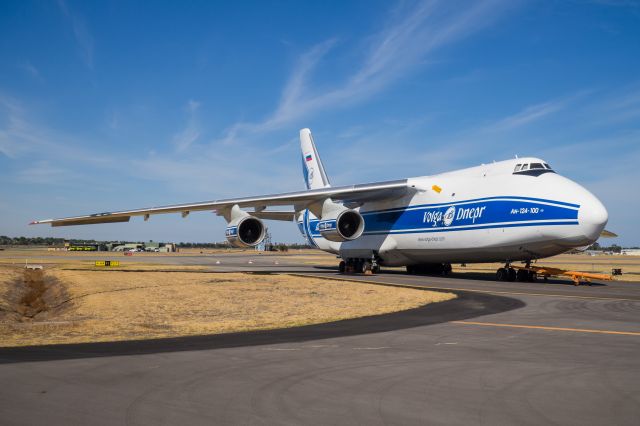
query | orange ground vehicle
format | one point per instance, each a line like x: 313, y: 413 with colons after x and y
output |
x: 576, y: 276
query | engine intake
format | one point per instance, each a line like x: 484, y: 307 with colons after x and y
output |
x: 341, y: 225
x: 246, y: 231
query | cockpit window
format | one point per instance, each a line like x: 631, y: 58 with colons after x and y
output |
x: 532, y: 169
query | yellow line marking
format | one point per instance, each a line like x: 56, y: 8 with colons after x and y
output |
x: 540, y: 327
x: 566, y: 296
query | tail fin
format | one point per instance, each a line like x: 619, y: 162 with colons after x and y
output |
x: 312, y: 168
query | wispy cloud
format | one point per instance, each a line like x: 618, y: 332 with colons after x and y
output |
x: 31, y: 70
x: 22, y: 136
x: 536, y: 112
x: 617, y: 109
x: 527, y: 116
x: 9, y: 145
x: 563, y: 137
x: 210, y: 177
x: 80, y: 32
x: 185, y: 138
x: 42, y: 172
x: 404, y: 44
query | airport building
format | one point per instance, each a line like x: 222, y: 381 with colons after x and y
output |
x: 150, y: 246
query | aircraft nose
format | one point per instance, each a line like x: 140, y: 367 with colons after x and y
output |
x: 592, y: 216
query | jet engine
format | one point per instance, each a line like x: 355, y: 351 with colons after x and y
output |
x: 341, y: 225
x: 245, y: 231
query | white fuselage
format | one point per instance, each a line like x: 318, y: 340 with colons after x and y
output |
x: 480, y: 214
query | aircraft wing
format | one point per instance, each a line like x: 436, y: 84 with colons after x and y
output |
x: 299, y: 200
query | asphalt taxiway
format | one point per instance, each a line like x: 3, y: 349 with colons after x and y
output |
x: 502, y: 353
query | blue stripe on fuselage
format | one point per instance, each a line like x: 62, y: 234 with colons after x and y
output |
x: 481, y: 213
x: 488, y: 199
x: 307, y: 224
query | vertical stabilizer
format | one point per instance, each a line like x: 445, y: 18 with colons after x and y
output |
x: 312, y: 168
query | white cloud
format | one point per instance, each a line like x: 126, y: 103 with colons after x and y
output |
x: 190, y: 134
x: 31, y: 70
x: 10, y: 146
x: 400, y: 47
x: 527, y: 116
x: 225, y: 175
x: 80, y: 32
x: 22, y: 136
x: 616, y: 109
x: 44, y: 173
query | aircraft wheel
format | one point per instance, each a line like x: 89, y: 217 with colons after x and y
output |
x: 501, y: 274
x: 411, y: 269
x: 375, y: 268
x: 522, y: 275
x: 342, y: 266
x: 364, y: 267
x: 533, y: 277
x: 511, y: 274
x: 447, y: 268
x: 350, y: 266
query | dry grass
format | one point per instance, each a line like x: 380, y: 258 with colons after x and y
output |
x: 111, y: 306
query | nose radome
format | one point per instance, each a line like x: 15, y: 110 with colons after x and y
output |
x: 592, y: 216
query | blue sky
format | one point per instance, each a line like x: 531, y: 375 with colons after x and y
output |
x: 114, y: 105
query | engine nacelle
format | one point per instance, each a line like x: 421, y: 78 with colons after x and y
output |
x: 341, y: 225
x: 245, y: 231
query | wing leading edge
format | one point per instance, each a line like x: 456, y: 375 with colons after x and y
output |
x: 299, y: 200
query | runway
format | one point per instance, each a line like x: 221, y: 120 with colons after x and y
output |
x: 502, y: 353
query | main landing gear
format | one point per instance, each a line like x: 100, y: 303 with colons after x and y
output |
x: 510, y: 274
x: 359, y: 266
x: 429, y: 269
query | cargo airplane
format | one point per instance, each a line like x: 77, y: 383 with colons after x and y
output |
x: 506, y: 211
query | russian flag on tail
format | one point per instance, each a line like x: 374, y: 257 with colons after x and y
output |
x: 308, y: 157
